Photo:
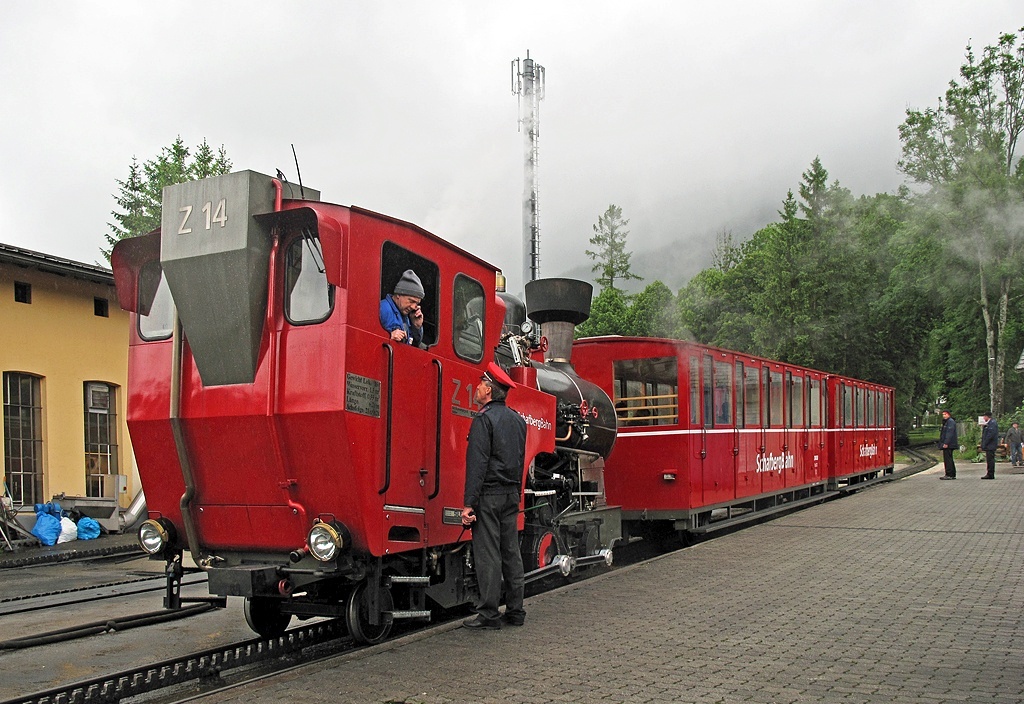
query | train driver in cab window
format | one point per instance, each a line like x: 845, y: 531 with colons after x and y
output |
x: 400, y: 313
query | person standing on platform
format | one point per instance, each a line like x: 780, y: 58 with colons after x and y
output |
x: 948, y: 442
x: 1014, y: 438
x: 494, y: 482
x: 989, y: 443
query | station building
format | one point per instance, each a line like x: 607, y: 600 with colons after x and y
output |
x: 64, y: 360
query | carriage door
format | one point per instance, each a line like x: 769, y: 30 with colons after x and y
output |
x: 814, y: 470
x: 696, y: 438
x: 719, y: 433
x: 749, y: 431
x: 797, y: 441
x: 774, y: 460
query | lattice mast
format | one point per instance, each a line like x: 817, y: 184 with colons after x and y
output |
x: 528, y: 85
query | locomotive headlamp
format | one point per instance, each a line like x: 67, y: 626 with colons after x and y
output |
x: 156, y: 535
x: 326, y: 540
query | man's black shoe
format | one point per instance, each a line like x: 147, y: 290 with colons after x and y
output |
x: 513, y: 620
x: 944, y: 476
x: 481, y: 624
x: 987, y: 477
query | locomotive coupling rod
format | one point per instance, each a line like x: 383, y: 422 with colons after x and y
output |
x: 573, y: 505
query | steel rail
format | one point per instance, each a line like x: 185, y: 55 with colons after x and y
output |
x: 187, y: 668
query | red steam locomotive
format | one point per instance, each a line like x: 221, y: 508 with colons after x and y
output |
x: 314, y: 467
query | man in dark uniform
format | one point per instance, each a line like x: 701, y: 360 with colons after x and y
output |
x: 494, y: 481
x: 990, y: 443
x: 948, y: 441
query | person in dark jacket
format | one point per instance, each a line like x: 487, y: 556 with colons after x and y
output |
x: 1014, y: 438
x: 948, y: 441
x: 494, y: 481
x: 989, y: 443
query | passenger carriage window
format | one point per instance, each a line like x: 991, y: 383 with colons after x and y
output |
x: 723, y: 394
x: 751, y: 399
x: 776, y: 417
x: 647, y: 391
x: 156, y: 307
x: 815, y: 402
x: 789, y: 400
x: 859, y: 399
x: 796, y: 402
x: 468, y: 314
x: 394, y: 260
x: 694, y: 391
x: 766, y: 395
x: 741, y: 395
x: 709, y: 394
x: 847, y: 406
x: 872, y: 421
x: 308, y: 298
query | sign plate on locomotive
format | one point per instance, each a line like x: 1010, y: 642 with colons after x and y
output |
x: 362, y: 395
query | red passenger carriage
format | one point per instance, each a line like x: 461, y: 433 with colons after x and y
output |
x: 709, y: 437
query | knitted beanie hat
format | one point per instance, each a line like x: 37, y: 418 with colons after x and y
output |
x: 409, y: 285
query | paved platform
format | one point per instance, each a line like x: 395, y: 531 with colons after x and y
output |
x: 910, y: 591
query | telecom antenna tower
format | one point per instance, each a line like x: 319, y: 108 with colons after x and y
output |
x: 528, y: 84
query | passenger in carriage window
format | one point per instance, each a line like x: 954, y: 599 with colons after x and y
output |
x: 400, y: 313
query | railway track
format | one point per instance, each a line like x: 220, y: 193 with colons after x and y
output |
x: 205, y: 670
x: 82, y: 595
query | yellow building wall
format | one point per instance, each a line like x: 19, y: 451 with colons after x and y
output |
x: 58, y: 337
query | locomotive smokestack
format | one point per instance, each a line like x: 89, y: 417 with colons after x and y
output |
x: 559, y: 305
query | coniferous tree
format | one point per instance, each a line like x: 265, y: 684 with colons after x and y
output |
x: 610, y: 249
x: 140, y: 196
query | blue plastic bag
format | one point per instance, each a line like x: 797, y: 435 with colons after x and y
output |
x: 47, y: 528
x: 88, y: 528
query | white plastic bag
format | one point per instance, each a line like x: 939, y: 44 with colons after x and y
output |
x: 68, y: 530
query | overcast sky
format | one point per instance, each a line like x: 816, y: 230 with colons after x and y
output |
x: 694, y: 117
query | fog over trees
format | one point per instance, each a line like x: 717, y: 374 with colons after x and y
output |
x: 922, y: 289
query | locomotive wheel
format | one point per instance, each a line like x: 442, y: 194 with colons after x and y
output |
x: 543, y: 549
x: 357, y: 615
x: 264, y: 616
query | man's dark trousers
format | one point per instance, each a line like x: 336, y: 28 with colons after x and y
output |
x: 947, y: 459
x: 990, y: 462
x: 496, y: 554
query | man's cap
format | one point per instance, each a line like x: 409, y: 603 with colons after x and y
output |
x: 946, y: 412
x: 986, y: 414
x: 497, y: 375
x: 409, y: 285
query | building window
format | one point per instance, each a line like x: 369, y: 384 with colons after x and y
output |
x: 22, y: 292
x: 100, y: 307
x: 100, y: 439
x: 23, y: 438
